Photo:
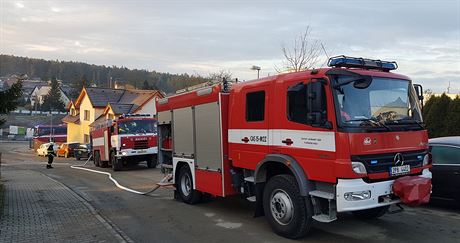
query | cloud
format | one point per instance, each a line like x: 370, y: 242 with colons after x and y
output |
x: 77, y: 43
x: 203, y: 35
x: 40, y: 48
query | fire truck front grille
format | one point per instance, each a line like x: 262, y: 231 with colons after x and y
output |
x: 141, y: 144
x: 378, y: 163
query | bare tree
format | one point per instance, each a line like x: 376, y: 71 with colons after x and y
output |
x: 302, y: 55
x: 220, y: 74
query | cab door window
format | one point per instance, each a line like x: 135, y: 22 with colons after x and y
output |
x: 299, y: 104
x: 255, y: 106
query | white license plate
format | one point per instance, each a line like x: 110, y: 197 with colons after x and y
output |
x: 399, y: 170
x: 141, y: 151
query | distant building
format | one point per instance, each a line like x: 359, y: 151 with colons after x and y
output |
x: 97, y: 105
x: 28, y: 86
x: 34, y: 89
x: 40, y: 91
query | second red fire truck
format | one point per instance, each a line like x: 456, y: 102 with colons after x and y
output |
x: 303, y: 146
x: 129, y: 139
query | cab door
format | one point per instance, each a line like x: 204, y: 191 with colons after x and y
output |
x: 248, y: 129
x: 303, y: 128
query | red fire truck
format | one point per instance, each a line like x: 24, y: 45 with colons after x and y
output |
x: 302, y: 145
x: 129, y: 139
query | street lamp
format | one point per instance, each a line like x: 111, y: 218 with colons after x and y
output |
x: 51, y: 129
x: 256, y: 68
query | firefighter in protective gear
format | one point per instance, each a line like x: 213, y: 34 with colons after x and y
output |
x: 50, y: 154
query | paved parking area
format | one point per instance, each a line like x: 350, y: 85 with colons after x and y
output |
x: 39, y: 209
x: 159, y: 218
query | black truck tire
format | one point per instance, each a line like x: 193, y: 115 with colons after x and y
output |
x: 184, y: 187
x: 104, y: 164
x: 97, y: 158
x: 288, y: 213
x: 152, y: 161
x: 117, y: 164
x: 372, y: 213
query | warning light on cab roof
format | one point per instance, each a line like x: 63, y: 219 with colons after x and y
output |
x: 359, y: 62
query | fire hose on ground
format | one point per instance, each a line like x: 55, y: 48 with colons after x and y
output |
x: 158, y: 185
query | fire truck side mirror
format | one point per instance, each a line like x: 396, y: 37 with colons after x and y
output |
x: 316, y: 108
x: 419, y: 91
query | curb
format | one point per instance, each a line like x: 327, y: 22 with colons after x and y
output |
x: 117, y: 232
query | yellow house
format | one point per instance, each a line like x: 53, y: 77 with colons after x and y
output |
x: 73, y: 123
x: 92, y: 103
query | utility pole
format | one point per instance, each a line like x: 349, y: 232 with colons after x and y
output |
x: 51, y: 129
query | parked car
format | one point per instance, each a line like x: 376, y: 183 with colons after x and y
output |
x: 446, y: 168
x: 43, y: 149
x: 67, y: 149
x: 83, y: 151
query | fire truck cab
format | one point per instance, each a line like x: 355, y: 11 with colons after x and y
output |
x: 129, y: 139
x: 302, y: 145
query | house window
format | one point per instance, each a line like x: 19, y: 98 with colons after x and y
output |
x: 255, y: 106
x: 86, y: 115
x: 86, y: 138
x: 72, y: 111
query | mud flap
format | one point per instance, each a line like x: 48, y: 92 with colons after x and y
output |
x: 259, y: 205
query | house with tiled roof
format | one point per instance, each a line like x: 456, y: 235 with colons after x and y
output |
x: 40, y: 91
x: 97, y: 105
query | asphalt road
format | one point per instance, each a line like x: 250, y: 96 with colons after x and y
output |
x: 159, y: 218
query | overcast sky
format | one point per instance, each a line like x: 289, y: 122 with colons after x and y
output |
x: 208, y: 35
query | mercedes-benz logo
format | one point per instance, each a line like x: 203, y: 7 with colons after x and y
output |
x: 398, y: 159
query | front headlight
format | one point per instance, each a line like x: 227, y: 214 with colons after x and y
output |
x: 427, y: 159
x: 359, y: 168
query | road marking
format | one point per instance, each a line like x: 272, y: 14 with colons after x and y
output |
x: 224, y: 224
x: 229, y: 225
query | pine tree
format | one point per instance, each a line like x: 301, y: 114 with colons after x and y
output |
x: 145, y: 85
x: 9, y: 99
x: 435, y: 112
x: 453, y: 118
x: 52, y: 101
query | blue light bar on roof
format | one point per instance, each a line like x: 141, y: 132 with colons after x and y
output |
x: 359, y: 62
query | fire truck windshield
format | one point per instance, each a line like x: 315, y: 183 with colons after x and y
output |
x: 137, y: 127
x: 375, y: 102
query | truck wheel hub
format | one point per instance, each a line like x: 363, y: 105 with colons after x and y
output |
x: 186, y: 185
x: 281, y: 207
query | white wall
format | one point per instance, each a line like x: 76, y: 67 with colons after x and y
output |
x: 148, y: 108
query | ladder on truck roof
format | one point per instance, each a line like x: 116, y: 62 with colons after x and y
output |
x: 225, y: 83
